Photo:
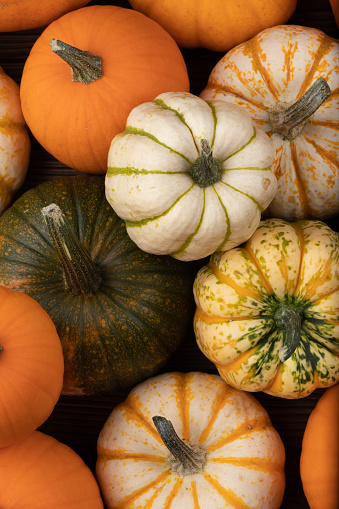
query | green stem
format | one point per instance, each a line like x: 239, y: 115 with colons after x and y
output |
x: 81, y: 273
x: 206, y: 169
x: 186, y: 459
x: 289, y: 120
x: 289, y: 320
x: 85, y: 66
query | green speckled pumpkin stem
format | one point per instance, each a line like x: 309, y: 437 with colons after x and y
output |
x: 289, y: 320
x: 186, y: 459
x: 206, y: 170
x: 85, y: 66
x: 81, y: 273
x: 289, y: 120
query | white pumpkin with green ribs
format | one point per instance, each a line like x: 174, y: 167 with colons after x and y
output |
x: 267, y: 311
x: 190, y: 177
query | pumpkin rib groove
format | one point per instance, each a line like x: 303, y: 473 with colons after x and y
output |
x: 226, y: 493
x: 227, y: 221
x: 129, y: 170
x: 298, y: 230
x: 260, y: 208
x: 251, y: 256
x: 302, y: 196
x: 253, y: 463
x: 323, y: 153
x: 215, y: 122
x: 252, y: 138
x: 131, y: 407
x: 227, y: 89
x: 257, y: 62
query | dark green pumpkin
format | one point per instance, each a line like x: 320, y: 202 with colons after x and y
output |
x: 120, y: 313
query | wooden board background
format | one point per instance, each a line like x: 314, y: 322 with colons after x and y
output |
x: 77, y: 421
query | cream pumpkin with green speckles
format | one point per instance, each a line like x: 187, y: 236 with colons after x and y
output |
x: 14, y: 141
x: 267, y: 312
x: 190, y: 177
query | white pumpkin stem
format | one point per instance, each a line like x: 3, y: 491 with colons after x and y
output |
x: 81, y: 273
x: 85, y: 66
x: 206, y: 170
x: 289, y: 120
x: 186, y: 459
x: 289, y: 320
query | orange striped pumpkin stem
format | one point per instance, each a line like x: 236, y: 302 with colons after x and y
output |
x: 186, y: 459
x: 289, y: 120
x: 81, y: 273
x: 85, y: 66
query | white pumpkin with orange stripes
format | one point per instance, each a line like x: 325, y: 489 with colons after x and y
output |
x: 271, y: 76
x: 267, y: 312
x: 190, y: 441
x: 189, y: 177
x: 15, y: 145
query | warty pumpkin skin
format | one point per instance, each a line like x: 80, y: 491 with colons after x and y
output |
x: 132, y: 59
x: 319, y: 460
x: 26, y: 14
x: 267, y: 312
x: 120, y: 313
x: 15, y: 145
x: 189, y: 177
x: 226, y: 453
x: 270, y: 73
x: 215, y: 24
x: 31, y: 366
x: 39, y: 472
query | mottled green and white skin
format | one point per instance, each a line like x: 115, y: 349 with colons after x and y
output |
x: 268, y: 311
x: 190, y: 177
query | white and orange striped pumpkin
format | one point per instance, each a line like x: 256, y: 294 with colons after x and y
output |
x: 267, y: 312
x: 14, y: 141
x: 267, y: 75
x: 190, y: 441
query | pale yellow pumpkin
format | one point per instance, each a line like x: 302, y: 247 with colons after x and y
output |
x: 266, y: 75
x: 221, y: 448
x: 14, y: 141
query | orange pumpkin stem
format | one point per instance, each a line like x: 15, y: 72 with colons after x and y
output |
x: 85, y: 66
x: 186, y: 459
x: 288, y: 120
x: 206, y: 169
x: 81, y: 273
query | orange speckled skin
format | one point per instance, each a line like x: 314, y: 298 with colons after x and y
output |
x: 279, y: 65
x: 319, y: 460
x: 14, y: 141
x: 218, y: 25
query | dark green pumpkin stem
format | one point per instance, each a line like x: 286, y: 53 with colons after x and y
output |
x: 81, y: 273
x: 289, y: 321
x: 186, y: 459
x: 85, y: 66
x: 288, y: 120
x: 206, y: 169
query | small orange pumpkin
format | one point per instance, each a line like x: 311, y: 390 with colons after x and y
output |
x: 15, y: 145
x: 215, y: 24
x: 319, y: 460
x: 119, y: 58
x: 27, y: 14
x: 31, y: 366
x: 39, y: 472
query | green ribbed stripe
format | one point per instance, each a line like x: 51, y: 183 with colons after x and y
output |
x: 130, y: 170
x: 254, y: 135
x: 193, y: 234
x: 244, y: 194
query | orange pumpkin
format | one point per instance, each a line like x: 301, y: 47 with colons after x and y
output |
x: 27, y: 14
x: 31, y: 366
x: 119, y: 59
x: 278, y: 78
x: 335, y: 8
x: 319, y: 460
x: 15, y: 145
x: 39, y: 472
x: 215, y: 24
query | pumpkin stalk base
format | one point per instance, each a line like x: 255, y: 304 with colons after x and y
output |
x: 185, y: 459
x: 289, y: 120
x: 85, y: 66
x: 289, y: 320
x: 206, y: 169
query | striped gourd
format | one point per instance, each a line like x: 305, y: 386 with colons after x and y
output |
x: 287, y: 78
x: 221, y: 448
x: 15, y: 143
x: 267, y: 312
x: 189, y: 177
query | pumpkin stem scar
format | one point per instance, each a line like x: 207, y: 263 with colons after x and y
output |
x: 289, y: 320
x: 81, y: 274
x: 85, y: 66
x: 186, y: 459
x: 289, y: 120
x: 206, y: 170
